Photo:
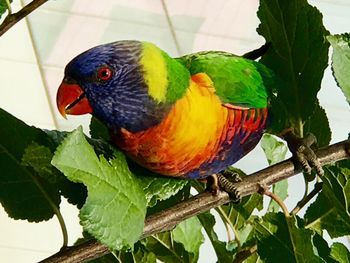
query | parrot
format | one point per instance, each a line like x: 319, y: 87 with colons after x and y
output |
x: 188, y: 117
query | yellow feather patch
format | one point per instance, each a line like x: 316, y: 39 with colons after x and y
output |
x: 155, y: 71
x: 199, y: 120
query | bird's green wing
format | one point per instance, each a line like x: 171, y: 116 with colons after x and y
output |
x: 238, y: 81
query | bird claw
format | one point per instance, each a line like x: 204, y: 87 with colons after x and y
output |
x: 227, y: 181
x: 302, y: 152
x: 232, y: 176
x: 213, y: 184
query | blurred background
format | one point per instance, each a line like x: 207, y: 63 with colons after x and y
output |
x: 34, y: 52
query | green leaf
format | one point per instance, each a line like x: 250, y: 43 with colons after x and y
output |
x: 276, y: 233
x: 254, y: 258
x: 166, y: 249
x: 281, y: 190
x: 341, y: 61
x: 23, y: 192
x: 241, y: 212
x: 322, y: 248
x: 56, y: 136
x: 189, y: 234
x: 3, y: 7
x: 318, y: 125
x: 340, y: 253
x: 160, y: 188
x: 38, y: 157
x: 98, y: 130
x: 320, y: 215
x: 208, y: 221
x: 156, y: 187
x: 331, y: 209
x: 275, y: 152
x: 115, y: 208
x: 144, y: 256
x: 182, y: 195
x: 75, y: 193
x: 298, y: 53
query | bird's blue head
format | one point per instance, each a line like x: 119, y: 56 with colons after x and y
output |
x: 124, y: 84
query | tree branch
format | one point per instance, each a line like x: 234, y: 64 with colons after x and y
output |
x: 168, y: 219
x: 13, y: 18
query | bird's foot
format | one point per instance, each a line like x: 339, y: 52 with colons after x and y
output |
x: 302, y: 152
x: 227, y: 181
x: 212, y: 184
x: 232, y: 176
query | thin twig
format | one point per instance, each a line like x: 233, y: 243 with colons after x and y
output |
x: 167, y: 219
x: 306, y: 199
x: 306, y: 191
x: 276, y: 198
x: 13, y: 18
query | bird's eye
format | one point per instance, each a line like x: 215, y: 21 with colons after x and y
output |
x: 104, y: 73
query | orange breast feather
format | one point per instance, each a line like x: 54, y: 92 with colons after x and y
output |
x: 192, y: 133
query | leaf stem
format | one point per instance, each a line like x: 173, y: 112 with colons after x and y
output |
x: 48, y: 199
x: 227, y: 227
x: 306, y: 191
x: 133, y: 257
x: 116, y: 256
x: 227, y: 221
x: 307, y: 198
x: 55, y: 210
x: 9, y: 8
x: 224, y: 217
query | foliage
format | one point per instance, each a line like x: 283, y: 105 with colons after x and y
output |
x: 3, y: 6
x: 292, y: 241
x: 341, y: 61
x: 340, y: 253
x: 189, y: 234
x: 275, y: 152
x: 114, y: 195
x: 25, y: 158
x: 331, y: 209
x: 115, y: 206
x: 298, y: 56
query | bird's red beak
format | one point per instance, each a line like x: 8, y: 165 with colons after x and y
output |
x: 71, y: 99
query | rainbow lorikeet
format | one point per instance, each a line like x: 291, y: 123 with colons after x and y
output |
x: 187, y: 117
